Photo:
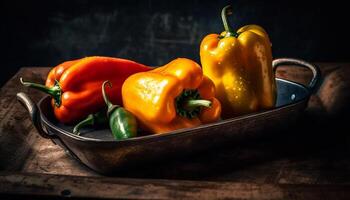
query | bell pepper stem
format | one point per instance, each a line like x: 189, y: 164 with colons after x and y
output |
x: 227, y: 10
x: 54, y: 91
x: 193, y: 103
x: 89, y: 120
x: 188, y: 103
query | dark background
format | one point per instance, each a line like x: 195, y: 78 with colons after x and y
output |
x: 45, y: 33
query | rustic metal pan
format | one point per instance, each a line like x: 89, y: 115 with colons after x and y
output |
x: 98, y: 150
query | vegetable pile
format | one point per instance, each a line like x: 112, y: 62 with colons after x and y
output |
x: 236, y: 78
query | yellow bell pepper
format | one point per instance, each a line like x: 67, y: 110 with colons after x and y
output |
x: 240, y: 65
x: 173, y: 96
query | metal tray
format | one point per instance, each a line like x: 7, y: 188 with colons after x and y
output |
x: 99, y: 151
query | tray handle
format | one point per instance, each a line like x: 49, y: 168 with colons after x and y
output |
x: 34, y: 113
x: 316, y: 72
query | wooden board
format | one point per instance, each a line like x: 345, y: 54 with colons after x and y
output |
x: 81, y: 187
x: 315, y: 151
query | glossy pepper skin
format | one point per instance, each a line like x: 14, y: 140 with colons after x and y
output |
x: 76, y: 85
x: 121, y: 122
x: 240, y: 65
x: 171, y: 97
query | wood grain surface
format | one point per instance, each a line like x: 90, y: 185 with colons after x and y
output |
x: 49, y: 186
x: 309, y: 159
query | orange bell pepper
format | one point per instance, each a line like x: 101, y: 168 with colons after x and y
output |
x: 171, y: 97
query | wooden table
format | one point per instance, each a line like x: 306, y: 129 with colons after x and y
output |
x: 308, y: 161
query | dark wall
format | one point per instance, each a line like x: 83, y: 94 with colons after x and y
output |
x: 45, y: 33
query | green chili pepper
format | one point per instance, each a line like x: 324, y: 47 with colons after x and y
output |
x: 121, y: 122
x: 97, y: 119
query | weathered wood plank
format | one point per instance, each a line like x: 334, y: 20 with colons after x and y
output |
x: 22, y: 149
x: 17, y: 133
x: 119, y: 188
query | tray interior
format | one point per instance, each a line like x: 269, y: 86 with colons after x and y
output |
x: 287, y: 93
